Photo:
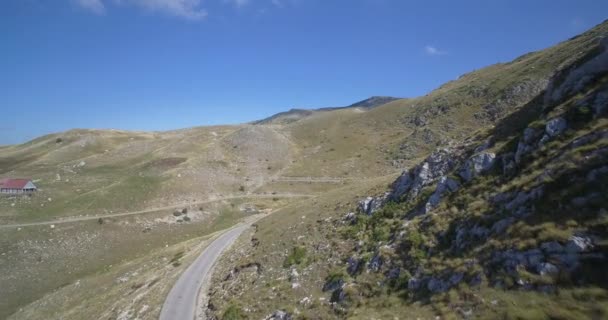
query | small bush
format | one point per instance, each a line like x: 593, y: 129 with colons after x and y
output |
x: 242, y: 188
x: 58, y: 140
x: 296, y: 257
x: 232, y: 313
x: 185, y: 210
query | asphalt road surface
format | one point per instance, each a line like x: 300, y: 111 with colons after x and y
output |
x: 181, y: 303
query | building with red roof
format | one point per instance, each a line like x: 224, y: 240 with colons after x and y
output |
x: 17, y: 186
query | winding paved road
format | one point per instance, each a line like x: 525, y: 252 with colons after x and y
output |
x: 181, y: 303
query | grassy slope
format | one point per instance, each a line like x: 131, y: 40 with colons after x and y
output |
x: 455, y: 110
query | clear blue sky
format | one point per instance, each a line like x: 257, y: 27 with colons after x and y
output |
x: 166, y: 64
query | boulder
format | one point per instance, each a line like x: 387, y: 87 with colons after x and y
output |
x: 333, y: 284
x: 375, y: 264
x: 445, y: 185
x: 353, y: 265
x: 534, y: 257
x: 501, y: 225
x: 600, y: 104
x: 411, y: 182
x: 414, y: 284
x: 455, y: 278
x: 350, y: 217
x: 572, y: 80
x: 556, y: 126
x: 478, y: 164
x: 547, y: 268
x: 523, y: 197
x: 370, y: 205
x: 365, y: 204
x: 338, y: 296
x: 508, y: 164
x: 436, y: 285
x: 279, y: 315
x: 393, y: 273
x: 579, y: 244
x: 552, y: 247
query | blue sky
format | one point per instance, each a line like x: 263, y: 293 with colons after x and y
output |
x: 166, y: 64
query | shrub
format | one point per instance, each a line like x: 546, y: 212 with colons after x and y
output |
x: 185, y: 210
x: 296, y: 257
x: 232, y: 313
x: 58, y: 140
x: 242, y: 188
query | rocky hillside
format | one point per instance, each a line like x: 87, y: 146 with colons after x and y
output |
x: 508, y: 222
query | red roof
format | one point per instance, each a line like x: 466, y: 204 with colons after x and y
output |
x: 14, y: 183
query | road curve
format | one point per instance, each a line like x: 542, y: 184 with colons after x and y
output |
x: 181, y: 303
x: 123, y: 214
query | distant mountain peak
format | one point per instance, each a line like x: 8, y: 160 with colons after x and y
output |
x: 295, y: 114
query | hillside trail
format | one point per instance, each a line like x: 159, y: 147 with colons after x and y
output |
x: 150, y: 210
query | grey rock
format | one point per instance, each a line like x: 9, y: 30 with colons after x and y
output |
x: 476, y: 165
x: 333, y: 285
x: 455, y: 278
x: 527, y: 143
x: 523, y: 197
x: 411, y: 182
x: 375, y: 264
x: 556, y: 126
x: 338, y: 295
x: 534, y: 257
x: 522, y: 150
x: 508, y: 164
x: 353, y: 265
x: 569, y: 261
x: 479, y: 232
x: 393, y: 273
x: 445, y: 185
x: 573, y: 79
x: 484, y: 146
x: 530, y: 136
x: 579, y: 244
x: 600, y: 105
x: 501, y: 225
x: 414, y: 284
x: 547, y: 268
x: 365, y: 205
x: 595, y: 173
x: 501, y: 197
x: 476, y: 280
x: 436, y: 285
x: 279, y: 315
x: 370, y: 205
x: 552, y: 247
x: 350, y: 217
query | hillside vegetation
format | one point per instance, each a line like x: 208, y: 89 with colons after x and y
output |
x: 501, y: 214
